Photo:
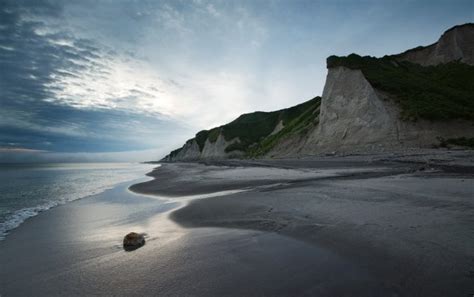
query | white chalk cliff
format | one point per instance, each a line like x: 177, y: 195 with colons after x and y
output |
x: 456, y: 44
x: 211, y: 150
x: 354, y: 116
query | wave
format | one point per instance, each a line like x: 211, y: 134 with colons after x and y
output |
x: 70, y: 188
x: 15, y: 219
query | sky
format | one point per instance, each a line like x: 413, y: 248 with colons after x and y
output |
x: 129, y: 80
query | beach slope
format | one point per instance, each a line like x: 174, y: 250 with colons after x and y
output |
x: 407, y: 221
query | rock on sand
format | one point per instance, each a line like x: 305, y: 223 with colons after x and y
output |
x: 133, y: 241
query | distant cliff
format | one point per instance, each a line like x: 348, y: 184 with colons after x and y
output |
x: 250, y: 135
x: 456, y: 44
x: 420, y: 98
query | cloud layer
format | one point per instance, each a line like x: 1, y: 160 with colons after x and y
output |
x: 101, y: 76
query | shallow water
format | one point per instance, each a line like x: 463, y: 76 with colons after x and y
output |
x: 75, y: 250
x: 28, y: 189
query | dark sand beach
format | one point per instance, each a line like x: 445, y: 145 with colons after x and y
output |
x: 333, y: 226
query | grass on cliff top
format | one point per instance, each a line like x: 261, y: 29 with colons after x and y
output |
x: 253, y: 127
x: 461, y: 141
x: 175, y: 153
x: 297, y: 127
x: 441, y: 92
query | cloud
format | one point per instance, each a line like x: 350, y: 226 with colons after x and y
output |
x: 55, y: 66
x: 63, y: 128
x: 29, y: 61
x: 115, y: 83
x: 19, y: 150
x: 67, y: 93
x: 23, y: 155
x: 70, y: 67
x: 96, y: 76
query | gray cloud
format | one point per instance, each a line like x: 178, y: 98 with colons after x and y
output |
x: 31, y: 61
x: 101, y: 76
x: 37, y: 63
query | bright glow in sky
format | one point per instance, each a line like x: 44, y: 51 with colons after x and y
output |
x: 101, y: 76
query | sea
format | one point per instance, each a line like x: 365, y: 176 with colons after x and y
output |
x: 28, y: 189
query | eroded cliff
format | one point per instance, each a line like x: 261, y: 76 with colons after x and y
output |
x: 415, y: 99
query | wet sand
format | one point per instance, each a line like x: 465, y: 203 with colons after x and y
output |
x: 408, y: 222
x: 75, y: 250
x: 327, y: 227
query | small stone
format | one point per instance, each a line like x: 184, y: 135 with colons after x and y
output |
x: 133, y: 241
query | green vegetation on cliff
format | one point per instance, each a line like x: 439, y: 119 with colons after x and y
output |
x: 254, y: 129
x: 441, y: 92
x: 461, y: 141
x: 296, y: 127
x: 174, y: 153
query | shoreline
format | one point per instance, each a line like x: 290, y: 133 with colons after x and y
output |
x: 75, y: 249
x: 415, y: 234
x: 326, y: 227
x: 20, y: 216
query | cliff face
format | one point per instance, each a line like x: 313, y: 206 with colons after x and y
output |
x: 456, y: 44
x: 211, y: 150
x: 356, y: 117
x: 250, y: 135
x: 352, y: 114
x: 189, y: 152
x: 368, y: 104
x: 217, y: 149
